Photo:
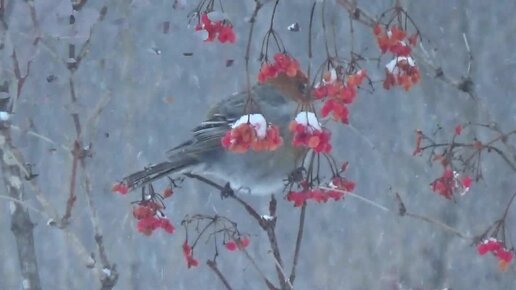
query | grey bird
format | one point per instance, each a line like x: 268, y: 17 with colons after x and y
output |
x: 203, y: 154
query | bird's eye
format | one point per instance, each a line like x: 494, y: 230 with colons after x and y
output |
x: 301, y: 87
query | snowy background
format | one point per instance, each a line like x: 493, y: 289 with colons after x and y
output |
x: 152, y: 95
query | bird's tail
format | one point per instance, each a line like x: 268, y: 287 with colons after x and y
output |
x: 155, y: 172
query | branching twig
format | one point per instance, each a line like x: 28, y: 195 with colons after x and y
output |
x: 267, y: 225
x: 405, y: 213
x: 260, y: 272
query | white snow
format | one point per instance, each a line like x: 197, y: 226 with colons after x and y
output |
x: 202, y: 34
x: 107, y: 272
x: 392, y: 66
x: 12, y: 207
x: 4, y: 116
x: 217, y: 16
x: 267, y: 217
x: 26, y: 284
x: 257, y: 121
x: 333, y: 77
x: 308, y: 119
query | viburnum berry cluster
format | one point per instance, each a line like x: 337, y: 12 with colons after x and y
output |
x: 453, y: 179
x: 308, y: 133
x: 121, y: 188
x: 252, y: 132
x: 498, y: 249
x: 150, y: 217
x: 337, y: 92
x: 402, y: 69
x: 149, y: 210
x: 394, y: 40
x: 217, y: 228
x: 338, y: 186
x: 283, y: 64
x: 239, y: 243
x: 188, y: 255
x: 222, y: 30
x: 451, y: 182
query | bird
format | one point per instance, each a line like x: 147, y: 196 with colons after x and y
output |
x: 261, y: 173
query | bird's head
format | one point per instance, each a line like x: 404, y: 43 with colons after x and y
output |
x: 292, y: 87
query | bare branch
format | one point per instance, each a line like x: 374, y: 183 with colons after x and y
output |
x: 21, y: 224
x: 216, y: 270
x: 298, y: 243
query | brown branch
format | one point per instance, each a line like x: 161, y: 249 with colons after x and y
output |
x: 74, y: 60
x: 402, y: 211
x: 2, y: 15
x: 14, y: 157
x: 298, y: 243
x: 439, y: 224
x: 20, y: 79
x: 506, y: 212
x: 110, y: 277
x: 356, y: 13
x: 270, y: 229
x: 72, y: 197
x: 216, y: 270
x: 21, y: 224
x: 267, y: 282
x: 228, y: 192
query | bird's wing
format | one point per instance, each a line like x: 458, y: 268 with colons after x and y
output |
x: 206, y: 137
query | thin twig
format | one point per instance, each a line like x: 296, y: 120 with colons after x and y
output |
x: 280, y: 267
x: 439, y: 224
x: 266, y: 225
x: 216, y: 270
x: 359, y: 197
x: 24, y: 204
x: 298, y: 243
x: 260, y: 272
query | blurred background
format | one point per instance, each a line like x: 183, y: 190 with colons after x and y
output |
x: 146, y: 79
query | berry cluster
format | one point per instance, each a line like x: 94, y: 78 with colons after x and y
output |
x: 283, y: 63
x: 338, y: 93
x: 222, y: 30
x: 149, y: 216
x: 498, y: 249
x: 188, y: 254
x: 450, y: 182
x: 239, y: 243
x: 121, y: 188
x: 394, y: 40
x: 309, y: 133
x: 252, y: 132
x: 340, y: 184
x: 401, y: 70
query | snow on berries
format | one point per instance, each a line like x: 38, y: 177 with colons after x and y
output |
x: 498, y: 250
x: 309, y: 133
x: 337, y: 93
x: 401, y: 70
x: 252, y: 132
